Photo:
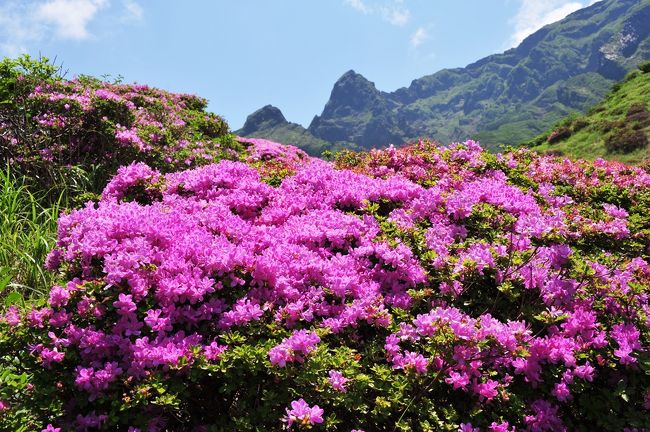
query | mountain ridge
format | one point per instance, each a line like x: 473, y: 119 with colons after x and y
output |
x: 506, y: 98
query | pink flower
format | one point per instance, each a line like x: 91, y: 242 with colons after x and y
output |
x: 411, y: 360
x: 303, y: 414
x: 501, y: 427
x: 561, y: 392
x: 544, y: 418
x: 59, y: 296
x: 49, y: 356
x: 458, y: 380
x: 124, y: 304
x: 627, y: 338
x: 585, y: 372
x: 337, y: 381
x: 487, y: 390
x: 12, y: 316
x: 169, y: 263
x: 214, y: 351
x: 156, y: 321
x: 294, y: 348
x: 615, y: 211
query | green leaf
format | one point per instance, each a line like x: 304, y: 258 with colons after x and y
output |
x: 5, y: 278
x: 14, y: 298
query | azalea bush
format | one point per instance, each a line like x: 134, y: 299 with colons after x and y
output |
x: 274, y: 161
x: 414, y: 289
x: 50, y: 125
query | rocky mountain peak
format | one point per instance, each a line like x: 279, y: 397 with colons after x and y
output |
x: 264, y: 118
x: 352, y: 92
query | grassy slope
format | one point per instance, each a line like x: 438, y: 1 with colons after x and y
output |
x: 610, y: 117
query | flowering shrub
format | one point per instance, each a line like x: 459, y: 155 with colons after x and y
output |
x: 420, y: 288
x: 559, y: 134
x: 274, y: 161
x: 48, y: 125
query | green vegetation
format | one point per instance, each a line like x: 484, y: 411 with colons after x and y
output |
x: 617, y: 128
x: 27, y: 234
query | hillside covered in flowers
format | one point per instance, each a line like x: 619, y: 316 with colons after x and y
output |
x: 421, y: 288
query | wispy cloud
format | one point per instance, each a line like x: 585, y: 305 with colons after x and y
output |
x: 132, y: 10
x: 358, y: 5
x: 395, y: 14
x: 392, y: 11
x: 13, y: 33
x: 24, y: 23
x: 420, y: 35
x: 69, y: 18
x: 535, y: 14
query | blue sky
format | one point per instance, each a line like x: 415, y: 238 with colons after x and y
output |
x: 243, y: 54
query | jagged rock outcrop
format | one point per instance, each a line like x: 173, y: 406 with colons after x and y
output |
x: 264, y: 118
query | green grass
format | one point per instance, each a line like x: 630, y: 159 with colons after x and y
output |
x: 612, y: 117
x: 27, y: 234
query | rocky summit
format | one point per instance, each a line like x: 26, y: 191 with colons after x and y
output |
x: 265, y: 117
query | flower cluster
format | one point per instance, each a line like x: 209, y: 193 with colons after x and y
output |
x: 505, y: 290
x: 303, y: 414
x: 293, y: 348
x: 97, y: 125
x: 274, y: 161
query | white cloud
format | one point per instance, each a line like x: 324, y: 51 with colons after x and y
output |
x: 420, y: 35
x: 28, y: 23
x: 358, y: 5
x: 15, y: 31
x: 69, y: 18
x: 391, y: 11
x: 12, y: 50
x: 535, y: 14
x: 395, y: 14
x: 132, y: 10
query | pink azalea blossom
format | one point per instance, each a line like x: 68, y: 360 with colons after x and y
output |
x: 303, y: 414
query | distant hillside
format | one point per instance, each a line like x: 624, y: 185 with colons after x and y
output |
x: 505, y: 98
x: 268, y: 122
x: 617, y: 128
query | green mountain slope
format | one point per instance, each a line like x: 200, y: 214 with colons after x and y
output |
x: 268, y: 122
x: 617, y: 128
x: 505, y: 98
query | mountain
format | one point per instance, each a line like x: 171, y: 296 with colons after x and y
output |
x: 269, y: 122
x: 506, y: 98
x: 617, y: 128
